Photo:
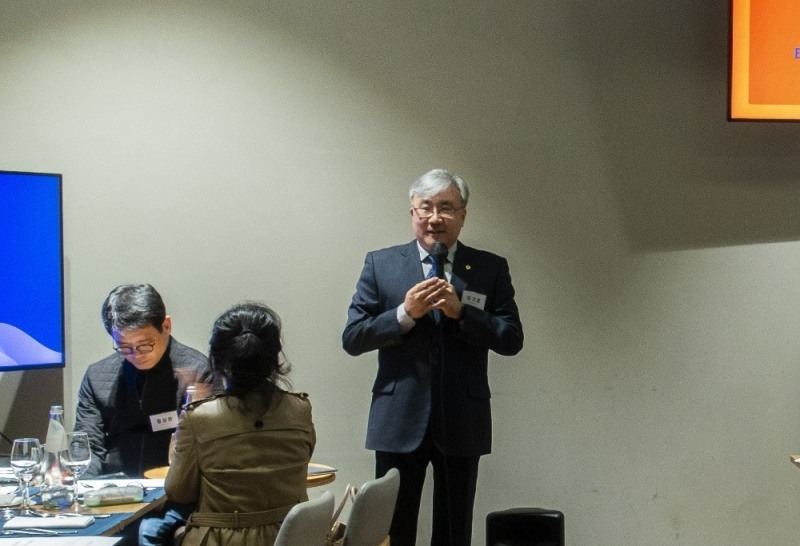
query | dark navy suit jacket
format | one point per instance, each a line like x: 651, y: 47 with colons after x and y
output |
x: 432, y: 374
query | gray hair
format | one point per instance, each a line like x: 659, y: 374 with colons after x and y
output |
x: 436, y: 181
x: 130, y: 307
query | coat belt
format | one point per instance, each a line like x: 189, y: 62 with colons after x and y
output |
x: 238, y: 520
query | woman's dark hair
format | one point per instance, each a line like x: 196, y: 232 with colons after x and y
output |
x: 245, y: 349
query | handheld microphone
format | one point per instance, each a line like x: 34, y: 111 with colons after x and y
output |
x: 439, y: 253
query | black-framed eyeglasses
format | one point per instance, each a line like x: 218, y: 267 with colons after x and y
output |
x: 447, y: 212
x: 142, y: 349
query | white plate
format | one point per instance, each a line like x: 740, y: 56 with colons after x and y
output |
x: 316, y: 468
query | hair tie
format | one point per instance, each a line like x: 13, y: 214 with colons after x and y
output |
x: 245, y: 332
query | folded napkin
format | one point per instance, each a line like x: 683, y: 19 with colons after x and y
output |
x: 10, y: 496
x: 64, y: 522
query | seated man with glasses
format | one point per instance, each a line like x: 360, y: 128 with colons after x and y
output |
x: 129, y: 401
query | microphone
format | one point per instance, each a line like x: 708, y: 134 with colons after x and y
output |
x: 439, y: 253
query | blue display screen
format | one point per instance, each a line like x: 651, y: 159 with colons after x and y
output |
x: 31, y: 271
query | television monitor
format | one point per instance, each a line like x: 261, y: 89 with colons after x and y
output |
x: 31, y: 271
x: 765, y: 60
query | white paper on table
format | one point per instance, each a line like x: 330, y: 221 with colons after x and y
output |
x: 26, y: 522
x: 60, y: 541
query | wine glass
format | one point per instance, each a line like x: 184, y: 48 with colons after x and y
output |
x: 26, y: 460
x: 75, y: 459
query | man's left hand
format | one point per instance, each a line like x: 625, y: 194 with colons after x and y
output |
x: 446, y: 299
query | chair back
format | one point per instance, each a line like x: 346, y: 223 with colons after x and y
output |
x: 307, y: 523
x: 372, y: 510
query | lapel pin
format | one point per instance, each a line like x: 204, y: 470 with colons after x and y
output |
x: 468, y: 267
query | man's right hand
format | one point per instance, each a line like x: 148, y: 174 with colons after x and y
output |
x: 423, y: 297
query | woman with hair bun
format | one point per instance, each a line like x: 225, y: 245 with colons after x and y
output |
x: 243, y: 456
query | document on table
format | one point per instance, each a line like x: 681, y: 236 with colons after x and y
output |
x: 60, y: 541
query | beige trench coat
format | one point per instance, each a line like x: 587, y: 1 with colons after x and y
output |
x: 229, y: 461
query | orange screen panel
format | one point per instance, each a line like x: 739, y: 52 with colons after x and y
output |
x: 765, y: 59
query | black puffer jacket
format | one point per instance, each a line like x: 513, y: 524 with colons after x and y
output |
x: 118, y: 420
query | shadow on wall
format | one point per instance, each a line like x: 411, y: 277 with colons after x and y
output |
x: 25, y: 400
x: 685, y: 176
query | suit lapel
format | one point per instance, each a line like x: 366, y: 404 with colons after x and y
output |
x: 462, y: 268
x: 412, y: 266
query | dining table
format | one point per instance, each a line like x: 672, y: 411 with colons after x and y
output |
x: 111, y: 520
x: 107, y: 521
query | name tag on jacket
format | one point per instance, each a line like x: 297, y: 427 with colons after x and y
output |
x: 164, y: 421
x: 474, y: 299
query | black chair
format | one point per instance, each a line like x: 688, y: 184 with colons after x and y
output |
x: 525, y: 527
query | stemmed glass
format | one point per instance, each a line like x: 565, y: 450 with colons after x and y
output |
x: 76, y: 458
x: 26, y: 460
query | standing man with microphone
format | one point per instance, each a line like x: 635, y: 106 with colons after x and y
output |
x: 433, y: 309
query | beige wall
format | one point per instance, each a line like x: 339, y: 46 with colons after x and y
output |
x: 257, y: 149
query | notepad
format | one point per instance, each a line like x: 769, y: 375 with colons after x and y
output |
x: 64, y: 522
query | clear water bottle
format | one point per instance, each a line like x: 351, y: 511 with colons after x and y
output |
x: 191, y: 395
x: 54, y: 492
